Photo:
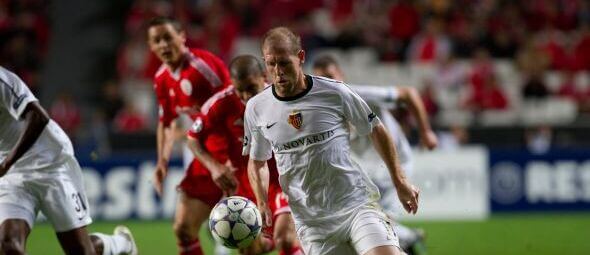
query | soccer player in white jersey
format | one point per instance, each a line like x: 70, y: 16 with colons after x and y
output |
x: 38, y: 172
x: 382, y: 99
x: 305, y: 121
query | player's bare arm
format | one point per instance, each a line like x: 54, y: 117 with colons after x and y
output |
x: 36, y: 118
x: 165, y: 141
x: 412, y: 98
x: 221, y: 173
x: 258, y: 176
x: 383, y: 143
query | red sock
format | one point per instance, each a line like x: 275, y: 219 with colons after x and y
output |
x: 296, y: 250
x: 190, y: 248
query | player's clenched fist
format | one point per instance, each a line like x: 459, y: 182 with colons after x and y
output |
x: 429, y: 140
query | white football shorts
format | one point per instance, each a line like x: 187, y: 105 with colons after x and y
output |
x: 367, y: 229
x: 57, y: 192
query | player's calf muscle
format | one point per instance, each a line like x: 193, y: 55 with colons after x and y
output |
x: 185, y: 231
x: 10, y: 245
x: 12, y: 237
x: 186, y: 226
x: 190, y: 213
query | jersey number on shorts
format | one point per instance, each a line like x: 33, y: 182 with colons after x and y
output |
x: 79, y: 205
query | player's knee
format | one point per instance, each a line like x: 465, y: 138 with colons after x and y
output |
x: 10, y: 245
x: 184, y: 231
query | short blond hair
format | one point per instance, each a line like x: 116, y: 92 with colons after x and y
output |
x: 283, y: 34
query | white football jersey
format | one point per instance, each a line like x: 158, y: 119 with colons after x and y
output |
x: 309, y: 135
x: 52, y: 145
x: 381, y: 100
x: 384, y: 96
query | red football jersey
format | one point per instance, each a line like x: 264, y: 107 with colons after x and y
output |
x: 223, y: 116
x: 184, y: 90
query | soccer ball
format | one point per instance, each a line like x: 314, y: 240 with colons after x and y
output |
x: 235, y: 222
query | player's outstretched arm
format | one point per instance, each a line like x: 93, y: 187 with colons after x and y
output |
x: 258, y: 175
x: 36, y: 118
x: 165, y: 136
x: 411, y: 96
x: 221, y: 174
x: 383, y: 143
x: 165, y: 141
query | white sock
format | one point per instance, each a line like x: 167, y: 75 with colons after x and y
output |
x: 405, y: 234
x: 113, y: 244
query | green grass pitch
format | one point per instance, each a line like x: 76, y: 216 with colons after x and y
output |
x: 505, y: 234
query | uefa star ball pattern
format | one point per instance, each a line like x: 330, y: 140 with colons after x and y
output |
x: 235, y: 222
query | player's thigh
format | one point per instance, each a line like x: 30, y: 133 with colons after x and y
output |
x: 372, y: 229
x: 383, y: 250
x: 316, y: 240
x: 327, y: 248
x: 13, y: 234
x: 197, y: 184
x: 63, y: 198
x: 76, y: 241
x: 197, y: 195
x: 190, y: 214
x: 16, y: 200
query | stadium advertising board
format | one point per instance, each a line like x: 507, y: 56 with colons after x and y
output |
x: 453, y: 184
x: 121, y: 188
x: 554, y: 181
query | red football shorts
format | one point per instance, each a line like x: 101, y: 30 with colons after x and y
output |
x: 198, y: 184
x: 277, y: 200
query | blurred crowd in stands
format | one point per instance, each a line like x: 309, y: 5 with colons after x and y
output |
x: 24, y: 37
x: 538, y: 37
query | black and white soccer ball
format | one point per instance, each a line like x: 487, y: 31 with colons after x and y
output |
x: 235, y: 222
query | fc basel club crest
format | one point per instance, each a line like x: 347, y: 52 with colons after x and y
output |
x: 296, y: 120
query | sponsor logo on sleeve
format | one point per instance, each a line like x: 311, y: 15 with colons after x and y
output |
x: 372, y: 116
x: 246, y: 140
x: 19, y: 101
x: 197, y: 125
